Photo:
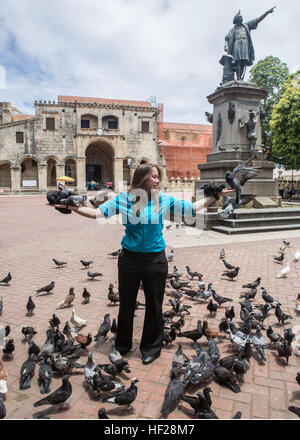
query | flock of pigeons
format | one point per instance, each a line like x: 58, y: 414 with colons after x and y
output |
x: 250, y: 337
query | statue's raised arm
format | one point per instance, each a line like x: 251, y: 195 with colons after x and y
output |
x: 259, y: 19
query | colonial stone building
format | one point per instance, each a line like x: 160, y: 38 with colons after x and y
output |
x: 85, y: 138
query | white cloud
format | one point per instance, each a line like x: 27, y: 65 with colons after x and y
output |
x: 132, y: 49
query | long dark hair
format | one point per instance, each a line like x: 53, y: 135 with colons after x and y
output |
x: 140, y: 176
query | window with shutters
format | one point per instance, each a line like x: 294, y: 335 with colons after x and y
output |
x: 19, y: 137
x: 112, y: 124
x: 85, y: 123
x: 50, y: 123
x: 145, y: 126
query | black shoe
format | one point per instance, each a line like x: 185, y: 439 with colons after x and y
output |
x: 148, y: 359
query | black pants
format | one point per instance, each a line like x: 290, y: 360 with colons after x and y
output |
x: 151, y: 269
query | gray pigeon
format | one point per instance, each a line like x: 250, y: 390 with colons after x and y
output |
x: 172, y: 396
x: 46, y: 289
x: 240, y: 175
x: 44, y: 377
x: 103, y: 329
x: 6, y: 279
x: 258, y: 341
x: 26, y: 372
x: 124, y: 398
x: 30, y: 306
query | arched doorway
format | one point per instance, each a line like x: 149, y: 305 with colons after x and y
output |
x: 99, y: 162
x: 5, y: 175
x: 29, y: 174
x: 51, y: 172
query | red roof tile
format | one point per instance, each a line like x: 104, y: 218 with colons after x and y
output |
x: 22, y: 117
x: 86, y: 100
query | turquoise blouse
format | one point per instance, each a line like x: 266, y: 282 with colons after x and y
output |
x: 143, y: 226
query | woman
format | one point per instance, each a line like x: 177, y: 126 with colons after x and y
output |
x: 143, y: 258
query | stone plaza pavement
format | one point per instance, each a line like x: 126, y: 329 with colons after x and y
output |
x: 32, y: 233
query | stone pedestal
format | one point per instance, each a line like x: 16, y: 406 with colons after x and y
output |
x: 230, y: 143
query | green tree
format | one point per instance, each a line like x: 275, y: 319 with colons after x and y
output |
x: 269, y: 74
x: 285, y: 124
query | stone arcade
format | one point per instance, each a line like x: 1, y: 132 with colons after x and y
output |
x: 84, y: 138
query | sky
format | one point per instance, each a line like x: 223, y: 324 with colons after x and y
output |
x: 166, y: 51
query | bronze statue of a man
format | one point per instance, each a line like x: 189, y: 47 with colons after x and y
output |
x: 238, y: 42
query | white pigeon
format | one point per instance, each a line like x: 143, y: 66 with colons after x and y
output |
x: 297, y: 255
x: 284, y: 271
x: 78, y: 322
x: 239, y: 339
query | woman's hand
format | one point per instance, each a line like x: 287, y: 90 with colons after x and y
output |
x: 72, y: 208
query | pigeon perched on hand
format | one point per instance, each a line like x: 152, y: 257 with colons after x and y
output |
x: 46, y: 289
x: 240, y: 175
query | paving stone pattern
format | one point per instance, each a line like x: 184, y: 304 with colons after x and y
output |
x: 32, y: 233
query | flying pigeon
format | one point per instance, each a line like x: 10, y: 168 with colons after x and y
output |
x: 239, y: 176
